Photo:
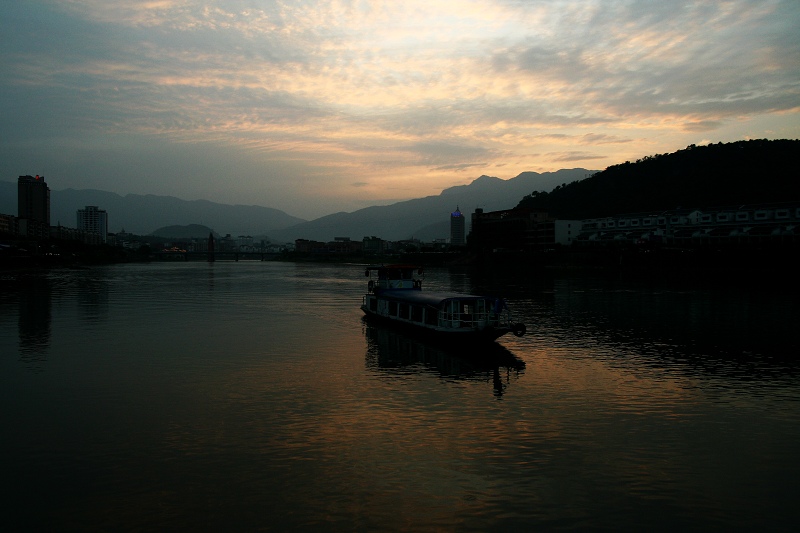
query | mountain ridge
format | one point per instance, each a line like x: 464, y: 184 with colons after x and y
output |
x: 428, y: 218
x: 424, y: 218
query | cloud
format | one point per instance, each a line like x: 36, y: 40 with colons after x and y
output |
x: 462, y: 167
x: 602, y: 138
x: 674, y: 59
x: 701, y: 125
x: 564, y: 157
x: 390, y: 95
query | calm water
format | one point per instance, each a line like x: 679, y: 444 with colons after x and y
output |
x: 246, y: 396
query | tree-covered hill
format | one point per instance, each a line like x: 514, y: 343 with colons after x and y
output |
x: 738, y: 173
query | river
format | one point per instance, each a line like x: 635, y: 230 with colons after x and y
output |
x: 243, y: 396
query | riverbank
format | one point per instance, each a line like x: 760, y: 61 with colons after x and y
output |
x: 773, y: 264
x: 24, y: 255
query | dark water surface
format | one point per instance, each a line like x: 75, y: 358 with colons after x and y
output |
x: 246, y: 396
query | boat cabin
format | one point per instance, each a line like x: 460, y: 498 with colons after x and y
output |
x: 395, y: 277
x: 396, y: 295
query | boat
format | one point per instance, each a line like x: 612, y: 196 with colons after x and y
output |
x: 394, y: 295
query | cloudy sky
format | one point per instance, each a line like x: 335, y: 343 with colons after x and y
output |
x: 315, y: 107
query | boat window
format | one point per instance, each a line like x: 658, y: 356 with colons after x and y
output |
x: 432, y: 316
x: 403, y: 310
x: 392, y: 308
x: 452, y: 312
x: 454, y: 308
x: 416, y: 313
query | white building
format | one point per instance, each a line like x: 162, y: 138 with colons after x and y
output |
x: 566, y: 231
x: 93, y: 221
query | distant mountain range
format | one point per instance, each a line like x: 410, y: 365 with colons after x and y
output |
x: 742, y: 172
x: 424, y: 218
x: 143, y: 214
x: 189, y: 231
x: 429, y: 218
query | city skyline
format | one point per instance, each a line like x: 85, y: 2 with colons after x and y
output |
x: 318, y: 107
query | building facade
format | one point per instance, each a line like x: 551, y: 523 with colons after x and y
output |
x: 94, y: 221
x: 372, y: 245
x: 733, y: 225
x: 457, y: 228
x: 33, y: 199
x: 512, y: 230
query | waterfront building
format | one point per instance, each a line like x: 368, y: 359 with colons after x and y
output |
x: 8, y: 224
x: 340, y: 245
x: 457, y: 228
x: 93, y: 221
x: 372, y: 245
x: 245, y: 243
x: 513, y: 230
x: 33, y: 199
x: 727, y: 225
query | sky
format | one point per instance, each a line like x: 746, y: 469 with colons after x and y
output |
x: 319, y: 107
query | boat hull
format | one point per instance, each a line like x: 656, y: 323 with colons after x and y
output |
x: 393, y: 348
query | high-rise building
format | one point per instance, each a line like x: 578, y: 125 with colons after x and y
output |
x: 33, y: 199
x: 94, y: 221
x: 457, y: 228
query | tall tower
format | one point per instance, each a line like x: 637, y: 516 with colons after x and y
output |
x: 33, y: 199
x: 457, y: 223
x: 93, y: 220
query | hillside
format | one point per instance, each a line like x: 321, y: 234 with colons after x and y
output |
x: 428, y: 218
x: 738, y: 173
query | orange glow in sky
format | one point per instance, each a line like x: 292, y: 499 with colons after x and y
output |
x: 318, y: 107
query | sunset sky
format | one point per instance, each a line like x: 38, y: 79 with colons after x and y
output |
x: 318, y: 107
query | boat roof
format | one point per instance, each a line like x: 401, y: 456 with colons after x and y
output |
x: 428, y: 298
x: 395, y: 266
